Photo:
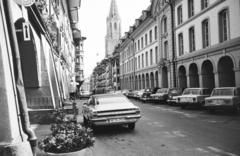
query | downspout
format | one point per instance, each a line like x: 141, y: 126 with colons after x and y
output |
x: 19, y: 79
x: 173, y: 43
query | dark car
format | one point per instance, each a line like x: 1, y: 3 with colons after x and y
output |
x: 147, y: 92
x: 126, y: 92
x: 173, y: 93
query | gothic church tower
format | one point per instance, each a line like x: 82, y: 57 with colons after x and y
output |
x: 113, y: 29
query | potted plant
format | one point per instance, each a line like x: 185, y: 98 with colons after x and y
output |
x: 67, y: 137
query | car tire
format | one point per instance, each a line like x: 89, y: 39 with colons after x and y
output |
x: 143, y: 101
x: 131, y: 126
x: 212, y: 110
x: 183, y: 106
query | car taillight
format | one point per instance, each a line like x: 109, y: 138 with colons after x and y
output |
x: 194, y: 99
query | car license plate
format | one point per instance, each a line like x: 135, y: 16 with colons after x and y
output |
x: 117, y: 120
x: 183, y: 100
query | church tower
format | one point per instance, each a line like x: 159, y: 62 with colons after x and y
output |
x: 113, y: 29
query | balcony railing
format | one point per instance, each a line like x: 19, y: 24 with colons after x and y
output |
x: 42, y: 102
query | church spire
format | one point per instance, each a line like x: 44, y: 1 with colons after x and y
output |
x: 113, y: 12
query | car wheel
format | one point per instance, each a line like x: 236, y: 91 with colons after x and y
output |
x: 183, y: 106
x: 143, y: 101
x: 131, y: 126
x: 212, y: 110
x: 237, y: 109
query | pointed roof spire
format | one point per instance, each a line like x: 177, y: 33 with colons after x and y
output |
x: 113, y: 10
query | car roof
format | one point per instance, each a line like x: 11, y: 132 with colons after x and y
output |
x: 227, y: 88
x: 107, y: 95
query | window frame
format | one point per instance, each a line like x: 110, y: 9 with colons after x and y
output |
x: 190, y: 8
x: 180, y: 17
x: 180, y: 45
x: 205, y: 37
x: 204, y: 4
x: 221, y: 34
x: 192, y: 41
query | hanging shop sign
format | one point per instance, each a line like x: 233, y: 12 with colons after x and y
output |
x: 25, y: 3
x: 26, y: 31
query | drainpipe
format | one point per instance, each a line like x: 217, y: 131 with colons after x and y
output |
x: 19, y: 79
x: 171, y: 4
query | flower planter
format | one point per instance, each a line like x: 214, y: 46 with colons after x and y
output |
x: 77, y: 153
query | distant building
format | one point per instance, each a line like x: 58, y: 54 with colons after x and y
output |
x: 113, y: 29
x: 86, y: 85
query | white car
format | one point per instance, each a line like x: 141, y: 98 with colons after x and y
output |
x: 224, y: 97
x: 110, y: 109
x: 193, y: 97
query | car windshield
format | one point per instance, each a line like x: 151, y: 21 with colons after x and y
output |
x: 175, y: 91
x: 221, y: 92
x: 162, y: 91
x: 191, y: 91
x: 148, y: 90
x: 141, y: 91
x: 111, y: 100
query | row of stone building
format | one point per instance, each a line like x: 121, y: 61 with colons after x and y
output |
x: 41, y: 55
x: 184, y: 43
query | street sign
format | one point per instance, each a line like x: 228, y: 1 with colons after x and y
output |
x: 26, y: 31
x: 25, y: 2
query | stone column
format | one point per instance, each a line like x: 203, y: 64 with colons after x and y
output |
x: 216, y: 78
x: 237, y: 76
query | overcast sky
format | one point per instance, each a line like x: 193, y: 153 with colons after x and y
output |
x: 92, y: 22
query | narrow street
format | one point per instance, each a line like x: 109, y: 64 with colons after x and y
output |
x: 171, y: 131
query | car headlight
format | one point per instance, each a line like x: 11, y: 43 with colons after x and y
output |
x: 227, y: 101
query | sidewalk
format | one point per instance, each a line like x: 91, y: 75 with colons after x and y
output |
x: 43, y: 130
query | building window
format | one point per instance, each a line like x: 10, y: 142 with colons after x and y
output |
x: 205, y: 33
x: 223, y: 25
x: 138, y: 62
x: 151, y: 57
x: 192, y: 39
x: 146, y: 42
x: 190, y: 8
x: 155, y: 32
x: 165, y: 25
x: 135, y: 63
x: 204, y: 4
x: 142, y: 42
x: 180, y: 44
x: 179, y: 11
x: 165, y: 49
x: 156, y: 54
x: 150, y: 36
x: 142, y: 60
x: 138, y: 45
x: 146, y: 59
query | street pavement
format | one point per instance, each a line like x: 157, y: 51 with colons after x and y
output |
x: 43, y: 130
x: 165, y: 131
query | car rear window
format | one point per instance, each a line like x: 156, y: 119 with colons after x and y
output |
x: 191, y: 91
x: 175, y: 91
x: 113, y: 100
x: 162, y: 91
x: 223, y: 92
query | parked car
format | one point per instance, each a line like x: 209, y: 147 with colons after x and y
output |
x: 160, y: 96
x: 84, y: 94
x: 173, y: 93
x: 110, y: 109
x: 139, y: 94
x: 146, y: 95
x: 193, y: 97
x: 118, y: 92
x: 126, y: 92
x: 131, y: 94
x: 224, y: 98
x: 135, y: 93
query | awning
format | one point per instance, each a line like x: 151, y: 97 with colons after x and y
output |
x: 73, y: 6
x: 76, y: 35
x: 74, y: 3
